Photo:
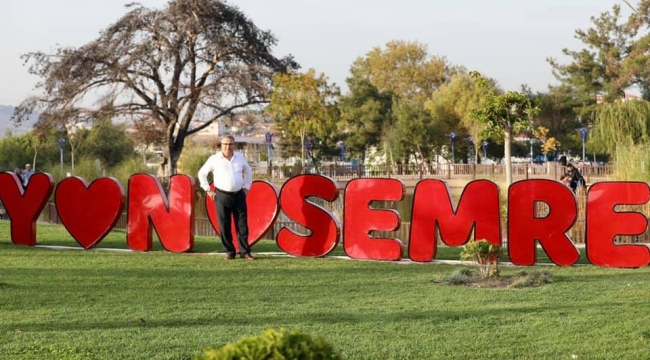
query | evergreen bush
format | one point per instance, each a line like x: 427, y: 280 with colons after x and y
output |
x: 274, y: 344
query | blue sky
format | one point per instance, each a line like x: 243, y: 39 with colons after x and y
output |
x: 508, y: 40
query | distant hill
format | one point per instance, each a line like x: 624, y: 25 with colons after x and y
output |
x: 5, y: 122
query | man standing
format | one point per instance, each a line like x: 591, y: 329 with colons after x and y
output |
x: 232, y: 178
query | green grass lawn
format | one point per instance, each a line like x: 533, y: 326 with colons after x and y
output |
x: 108, y: 305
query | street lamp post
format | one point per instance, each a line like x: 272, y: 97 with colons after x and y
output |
x: 61, y: 148
x: 470, y: 153
x: 308, y: 146
x: 452, y: 138
x: 268, y: 139
x: 583, y: 135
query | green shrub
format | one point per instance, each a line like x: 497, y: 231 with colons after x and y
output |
x: 458, y: 277
x: 87, y: 168
x: 273, y: 344
x: 191, y: 160
x: 466, y: 271
x: 485, y: 254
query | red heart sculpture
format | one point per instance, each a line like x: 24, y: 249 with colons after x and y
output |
x: 89, y: 212
x: 263, y: 210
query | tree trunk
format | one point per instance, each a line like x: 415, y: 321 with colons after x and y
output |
x: 302, y: 149
x: 74, y: 145
x: 171, y: 154
x: 34, y: 161
x: 173, y: 164
x: 166, y: 164
x: 508, y: 161
x: 144, y: 155
x: 421, y: 162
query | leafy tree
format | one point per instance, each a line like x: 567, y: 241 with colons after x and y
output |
x: 365, y: 114
x: 549, y: 143
x: 108, y: 142
x: 15, y: 152
x: 416, y: 130
x: 638, y: 63
x: 146, y: 134
x: 41, y: 138
x: 76, y: 134
x: 459, y: 97
x: 503, y: 115
x: 446, y: 121
x: 614, y: 60
x: 191, y: 63
x: 615, y: 57
x: 404, y: 69
x: 620, y: 124
x: 38, y: 147
x: 304, y: 109
x: 561, y: 113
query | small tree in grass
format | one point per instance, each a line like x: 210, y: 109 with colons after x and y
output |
x: 485, y: 254
x: 503, y: 114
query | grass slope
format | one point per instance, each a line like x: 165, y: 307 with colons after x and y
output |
x: 157, y: 305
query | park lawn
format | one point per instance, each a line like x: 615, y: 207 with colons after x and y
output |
x: 157, y: 305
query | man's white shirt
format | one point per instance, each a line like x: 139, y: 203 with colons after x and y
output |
x: 227, y: 175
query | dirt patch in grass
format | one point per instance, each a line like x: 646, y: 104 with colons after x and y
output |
x: 522, y: 279
x: 493, y: 282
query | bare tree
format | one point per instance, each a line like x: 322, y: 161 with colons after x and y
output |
x: 145, y: 133
x: 183, y: 67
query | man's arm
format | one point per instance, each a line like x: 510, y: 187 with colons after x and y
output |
x: 248, y: 176
x: 203, y: 174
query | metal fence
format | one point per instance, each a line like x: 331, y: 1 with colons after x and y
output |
x: 549, y: 170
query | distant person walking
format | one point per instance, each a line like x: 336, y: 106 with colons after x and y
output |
x: 232, y: 178
x: 563, y: 160
x: 27, y: 174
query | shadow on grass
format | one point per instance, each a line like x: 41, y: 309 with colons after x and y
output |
x: 284, y: 319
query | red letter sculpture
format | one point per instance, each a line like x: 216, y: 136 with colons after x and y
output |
x: 325, y: 229
x: 525, y: 228
x: 360, y: 219
x: 478, y: 210
x: 24, y: 206
x: 263, y: 210
x: 173, y: 219
x: 604, y: 223
x: 89, y: 212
